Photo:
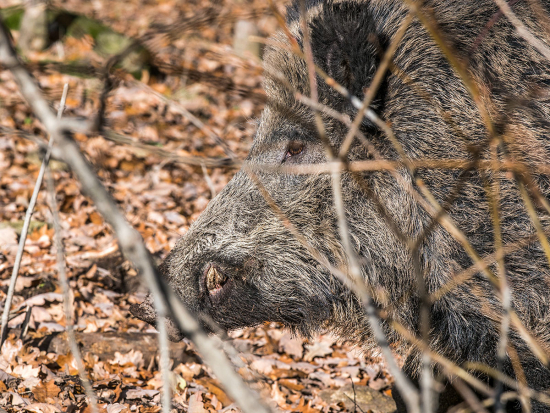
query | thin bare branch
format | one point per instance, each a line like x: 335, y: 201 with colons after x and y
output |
x: 469, y: 396
x: 28, y: 216
x: 67, y: 302
x: 522, y: 30
x: 164, y: 357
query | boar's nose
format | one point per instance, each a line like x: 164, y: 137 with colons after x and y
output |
x: 220, y: 279
x: 215, y: 282
x: 214, y: 279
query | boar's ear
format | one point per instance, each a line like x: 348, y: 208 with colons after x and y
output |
x: 346, y: 44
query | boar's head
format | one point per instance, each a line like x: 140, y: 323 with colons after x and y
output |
x: 239, y: 264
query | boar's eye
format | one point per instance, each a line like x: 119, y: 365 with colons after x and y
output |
x: 294, y: 148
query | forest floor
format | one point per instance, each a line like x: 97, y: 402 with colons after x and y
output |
x: 160, y: 197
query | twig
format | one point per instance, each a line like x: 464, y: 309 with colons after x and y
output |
x: 188, y: 160
x: 483, y: 34
x: 406, y: 389
x: 469, y: 396
x: 26, y: 223
x: 541, y: 396
x: 208, y: 181
x: 308, y: 53
x: 493, y: 197
x: 67, y: 303
x: 164, y: 357
x: 522, y: 30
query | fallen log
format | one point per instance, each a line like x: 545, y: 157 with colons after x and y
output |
x: 105, y: 345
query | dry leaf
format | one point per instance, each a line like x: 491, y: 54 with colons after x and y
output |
x: 96, y: 218
x: 26, y: 371
x: 378, y: 384
x: 42, y: 408
x: 117, y: 408
x: 41, y: 299
x: 318, y: 349
x: 45, y: 390
x: 133, y: 357
x: 292, y: 345
x: 68, y: 361
x: 141, y: 393
x: 16, y: 399
x: 10, y: 349
x: 215, y: 389
x: 263, y: 365
x: 195, y: 404
x: 291, y: 384
x: 8, y: 236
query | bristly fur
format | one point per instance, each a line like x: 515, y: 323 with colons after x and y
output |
x: 274, y: 278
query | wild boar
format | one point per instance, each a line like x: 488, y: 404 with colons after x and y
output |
x: 241, y: 265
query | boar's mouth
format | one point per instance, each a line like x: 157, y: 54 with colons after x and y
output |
x: 146, y: 312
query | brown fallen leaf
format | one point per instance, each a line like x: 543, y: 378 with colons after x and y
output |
x: 378, y: 384
x: 291, y: 384
x: 152, y: 409
x: 68, y: 362
x: 25, y: 371
x: 195, y: 404
x: 214, y: 389
x: 291, y: 345
x: 96, y: 218
x: 139, y: 394
x: 42, y: 408
x: 305, y: 407
x: 117, y: 408
x: 8, y: 236
x: 319, y: 349
x: 46, y: 390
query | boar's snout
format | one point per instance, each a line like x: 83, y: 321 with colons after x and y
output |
x: 214, y: 282
x: 217, y: 282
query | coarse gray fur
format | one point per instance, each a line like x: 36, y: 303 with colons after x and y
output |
x: 269, y: 276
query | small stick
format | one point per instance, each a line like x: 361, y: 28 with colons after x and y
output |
x: 26, y: 224
x: 209, y: 181
x: 164, y: 361
x: 522, y: 30
x: 67, y: 307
